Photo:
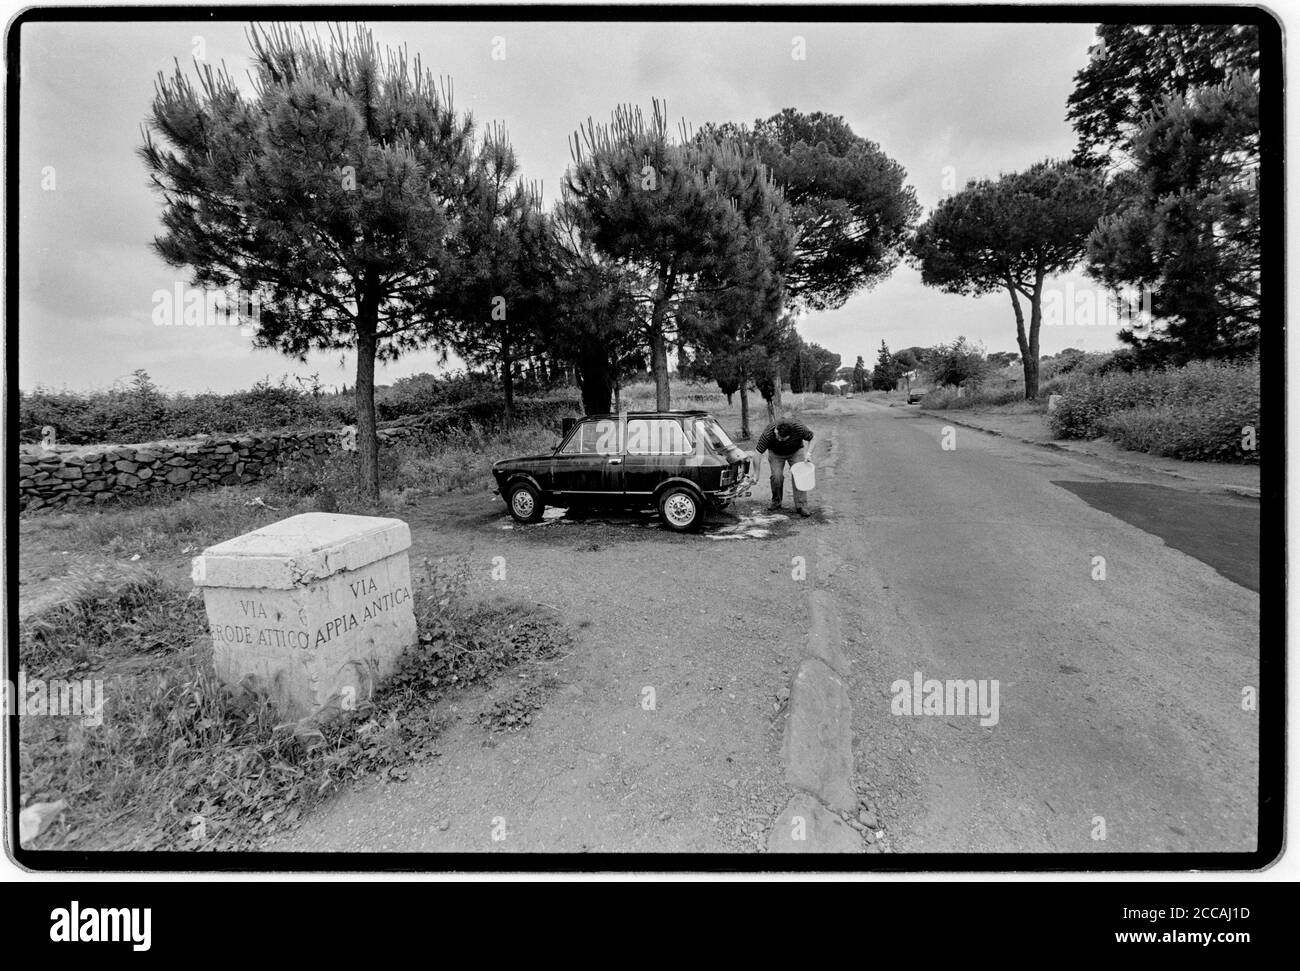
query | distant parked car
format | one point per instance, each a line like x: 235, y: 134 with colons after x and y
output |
x: 681, y: 461
x: 916, y: 394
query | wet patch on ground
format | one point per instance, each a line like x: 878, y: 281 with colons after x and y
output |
x: 634, y: 524
x: 753, y: 525
x: 1221, y: 531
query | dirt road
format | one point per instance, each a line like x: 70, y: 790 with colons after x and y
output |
x: 1119, y: 663
x: 1121, y: 725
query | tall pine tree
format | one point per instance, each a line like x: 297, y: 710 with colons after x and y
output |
x: 330, y: 192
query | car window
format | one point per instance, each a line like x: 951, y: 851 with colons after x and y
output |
x: 656, y: 436
x: 712, y: 433
x: 593, y: 438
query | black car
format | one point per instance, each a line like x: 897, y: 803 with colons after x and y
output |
x: 681, y: 461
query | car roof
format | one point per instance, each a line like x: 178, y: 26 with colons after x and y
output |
x: 695, y: 413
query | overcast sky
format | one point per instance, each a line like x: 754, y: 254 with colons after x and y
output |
x: 948, y: 101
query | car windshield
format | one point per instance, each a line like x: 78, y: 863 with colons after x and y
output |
x: 713, y: 433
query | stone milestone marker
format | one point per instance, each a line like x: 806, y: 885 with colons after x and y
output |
x: 314, y: 608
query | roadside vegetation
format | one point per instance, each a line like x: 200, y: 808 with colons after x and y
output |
x: 176, y: 521
x: 141, y: 411
x: 182, y: 762
x: 986, y: 382
x: 439, y: 460
x: 1202, y: 411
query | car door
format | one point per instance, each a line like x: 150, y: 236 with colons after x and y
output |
x: 589, y: 463
x: 656, y: 449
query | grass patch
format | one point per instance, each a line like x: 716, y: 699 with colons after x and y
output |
x: 176, y: 524
x: 182, y: 762
x: 100, y: 614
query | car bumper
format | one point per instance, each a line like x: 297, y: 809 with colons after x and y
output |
x: 740, y: 489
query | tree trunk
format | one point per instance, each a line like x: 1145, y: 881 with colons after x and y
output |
x: 595, y: 380
x: 744, y: 404
x: 508, y: 381
x: 1028, y: 362
x: 508, y: 392
x: 1035, y: 322
x: 774, y: 402
x: 596, y: 394
x: 659, y: 358
x: 367, y: 439
x: 659, y: 339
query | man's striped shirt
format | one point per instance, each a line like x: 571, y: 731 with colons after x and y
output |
x: 800, y: 433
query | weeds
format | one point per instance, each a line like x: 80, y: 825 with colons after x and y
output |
x: 182, y: 761
x: 176, y: 524
x: 99, y: 614
x: 515, y: 712
x: 1198, y: 411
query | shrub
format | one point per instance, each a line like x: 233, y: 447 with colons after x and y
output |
x: 142, y: 413
x: 1211, y: 431
x: 946, y: 398
x: 423, y: 393
x: 958, y: 363
x: 1196, y: 411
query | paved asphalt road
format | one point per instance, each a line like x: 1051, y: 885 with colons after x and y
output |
x: 1119, y: 724
x: 1120, y: 698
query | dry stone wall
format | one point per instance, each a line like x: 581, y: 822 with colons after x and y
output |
x: 63, y: 475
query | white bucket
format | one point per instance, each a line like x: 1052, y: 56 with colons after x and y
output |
x: 802, y: 474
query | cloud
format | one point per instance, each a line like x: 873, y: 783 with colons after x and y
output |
x: 981, y: 98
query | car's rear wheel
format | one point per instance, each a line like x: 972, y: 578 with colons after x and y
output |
x: 680, y: 510
x: 525, y: 503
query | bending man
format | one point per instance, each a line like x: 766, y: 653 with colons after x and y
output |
x: 784, y: 443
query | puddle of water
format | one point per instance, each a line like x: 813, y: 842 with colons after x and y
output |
x: 750, y: 526
x: 549, y: 517
x: 746, y: 527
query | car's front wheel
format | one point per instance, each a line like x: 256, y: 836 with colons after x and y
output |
x: 680, y: 510
x: 525, y: 503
